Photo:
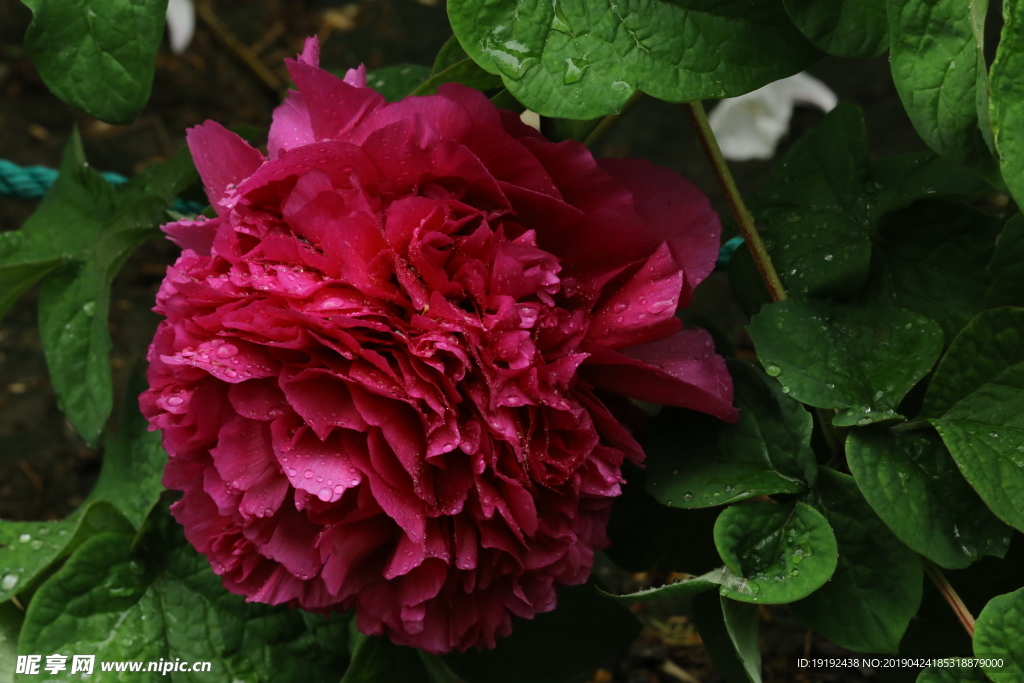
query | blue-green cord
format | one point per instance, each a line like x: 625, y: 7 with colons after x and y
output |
x: 32, y: 182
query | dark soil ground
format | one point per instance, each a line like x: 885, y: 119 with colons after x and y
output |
x: 46, y: 471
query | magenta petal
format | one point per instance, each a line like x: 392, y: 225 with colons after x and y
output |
x: 290, y: 127
x: 335, y: 107
x: 683, y: 371
x: 222, y: 158
x: 643, y: 309
x: 310, y: 52
x: 195, y: 235
x: 675, y: 211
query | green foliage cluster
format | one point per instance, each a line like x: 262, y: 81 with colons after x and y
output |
x: 881, y: 430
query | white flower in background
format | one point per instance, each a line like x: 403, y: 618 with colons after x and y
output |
x: 751, y: 125
x: 181, y: 24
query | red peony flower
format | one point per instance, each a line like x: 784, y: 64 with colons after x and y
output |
x: 385, y: 375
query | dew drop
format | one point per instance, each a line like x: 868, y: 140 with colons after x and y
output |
x: 175, y: 401
x: 785, y: 390
x: 8, y: 582
x: 325, y: 494
x: 729, y: 489
x: 828, y: 257
x: 25, y: 538
x: 308, y: 474
x: 773, y: 370
x: 863, y: 421
x: 687, y: 496
x: 620, y: 307
x: 227, y: 351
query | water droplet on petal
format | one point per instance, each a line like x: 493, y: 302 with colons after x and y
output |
x: 620, y: 307
x: 325, y: 494
x: 308, y: 474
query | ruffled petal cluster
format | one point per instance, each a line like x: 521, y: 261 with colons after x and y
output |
x: 388, y: 371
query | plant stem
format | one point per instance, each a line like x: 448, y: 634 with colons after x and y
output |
x: 605, y: 124
x: 739, y: 208
x: 949, y: 594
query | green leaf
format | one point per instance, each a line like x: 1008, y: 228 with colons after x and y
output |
x: 10, y: 626
x: 583, y: 631
x: 685, y: 588
x: 82, y: 232
x: 1007, y: 98
x: 876, y: 589
x: 728, y: 630
x: 98, y: 56
x: 815, y: 209
x: 578, y: 59
x: 859, y: 360
x: 934, y: 674
x: 395, y: 82
x: 698, y: 462
x: 976, y: 402
x: 162, y: 601
x: 985, y: 434
x: 931, y: 260
x: 133, y: 460
x: 783, y: 552
x: 913, y: 483
x: 905, y: 178
x: 375, y: 658
x: 1007, y: 266
x: 467, y: 72
x: 845, y: 28
x: 28, y: 549
x: 18, y: 278
x: 938, y: 65
x: 999, y: 630
x: 450, y: 53
x: 990, y: 344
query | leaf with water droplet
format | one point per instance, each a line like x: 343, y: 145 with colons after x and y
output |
x: 914, y: 485
x: 758, y: 540
x: 99, y: 604
x: 768, y: 451
x: 1000, y: 629
x: 931, y: 260
x: 948, y: 106
x: 528, y: 42
x: 25, y: 560
x: 859, y: 351
x: 877, y: 586
x: 74, y: 297
x: 978, y: 391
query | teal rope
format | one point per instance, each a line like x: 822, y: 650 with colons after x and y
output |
x: 32, y: 182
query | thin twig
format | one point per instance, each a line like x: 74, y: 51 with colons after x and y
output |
x: 607, y: 122
x: 240, y: 50
x: 739, y: 208
x: 950, y: 595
